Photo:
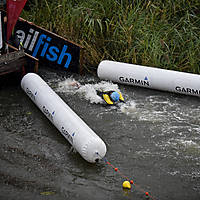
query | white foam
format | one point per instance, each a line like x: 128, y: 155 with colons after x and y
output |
x: 87, y: 91
x: 128, y: 108
x: 67, y: 86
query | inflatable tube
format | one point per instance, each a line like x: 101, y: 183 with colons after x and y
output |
x: 149, y: 77
x: 72, y: 127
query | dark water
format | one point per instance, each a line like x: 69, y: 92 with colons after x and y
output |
x: 153, y: 139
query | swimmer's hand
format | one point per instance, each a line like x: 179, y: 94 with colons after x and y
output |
x: 75, y: 84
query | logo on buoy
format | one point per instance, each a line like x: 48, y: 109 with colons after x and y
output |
x: 187, y: 90
x: 134, y: 81
x: 47, y: 113
x: 30, y: 94
x: 67, y: 135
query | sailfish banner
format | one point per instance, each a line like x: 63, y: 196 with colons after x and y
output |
x: 14, y: 9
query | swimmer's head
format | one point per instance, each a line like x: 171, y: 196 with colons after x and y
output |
x: 115, y: 96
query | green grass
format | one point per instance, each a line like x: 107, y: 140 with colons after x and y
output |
x: 164, y: 34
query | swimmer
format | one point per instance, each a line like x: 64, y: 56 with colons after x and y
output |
x: 111, y: 97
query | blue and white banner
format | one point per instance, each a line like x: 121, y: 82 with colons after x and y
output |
x: 48, y: 47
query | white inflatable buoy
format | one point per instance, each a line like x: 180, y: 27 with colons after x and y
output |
x: 72, y: 127
x: 149, y: 77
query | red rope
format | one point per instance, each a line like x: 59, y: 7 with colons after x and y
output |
x: 131, y: 181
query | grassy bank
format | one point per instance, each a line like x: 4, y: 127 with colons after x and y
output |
x: 163, y: 34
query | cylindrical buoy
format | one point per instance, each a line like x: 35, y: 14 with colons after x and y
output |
x: 150, y: 77
x: 72, y: 127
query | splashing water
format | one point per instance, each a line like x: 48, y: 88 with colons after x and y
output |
x: 128, y: 108
x: 165, y: 115
x: 87, y: 91
x: 69, y: 85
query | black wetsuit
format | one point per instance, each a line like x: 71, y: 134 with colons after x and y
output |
x: 100, y: 93
x: 108, y: 93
